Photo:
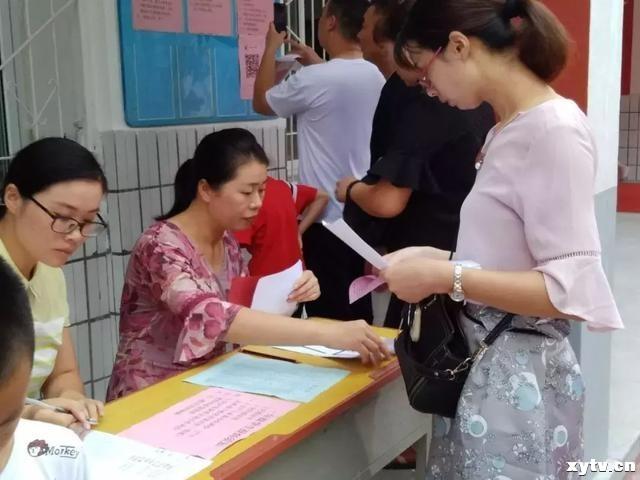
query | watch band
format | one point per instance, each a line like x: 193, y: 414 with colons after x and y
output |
x: 457, y: 293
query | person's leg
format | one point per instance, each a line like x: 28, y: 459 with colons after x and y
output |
x: 394, y: 312
x: 336, y: 266
x: 320, y: 258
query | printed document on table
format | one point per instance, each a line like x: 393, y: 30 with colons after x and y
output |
x: 320, y: 351
x: 208, y: 422
x: 326, y: 352
x: 112, y: 457
x: 279, y: 378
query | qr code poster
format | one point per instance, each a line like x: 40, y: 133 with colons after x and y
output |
x: 250, y: 50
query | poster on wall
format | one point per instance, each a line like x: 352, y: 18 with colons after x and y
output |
x: 210, y: 17
x: 250, y: 51
x: 157, y: 15
x: 254, y: 17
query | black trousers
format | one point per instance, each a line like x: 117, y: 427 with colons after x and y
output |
x: 336, y: 266
x: 395, y: 311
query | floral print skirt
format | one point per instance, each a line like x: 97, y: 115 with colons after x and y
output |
x: 520, y: 413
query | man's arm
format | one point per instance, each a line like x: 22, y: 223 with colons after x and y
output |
x: 313, y: 211
x: 266, y: 77
x: 382, y: 199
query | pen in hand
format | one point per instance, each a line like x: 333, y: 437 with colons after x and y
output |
x: 54, y: 408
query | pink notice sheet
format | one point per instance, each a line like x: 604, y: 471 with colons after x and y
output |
x: 210, y: 17
x: 207, y: 423
x: 254, y: 17
x: 157, y: 15
x: 250, y: 51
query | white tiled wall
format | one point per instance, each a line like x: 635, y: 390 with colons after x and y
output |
x: 630, y: 136
x: 140, y: 166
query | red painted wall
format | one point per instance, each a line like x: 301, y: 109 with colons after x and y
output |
x: 575, y: 15
x: 627, y: 42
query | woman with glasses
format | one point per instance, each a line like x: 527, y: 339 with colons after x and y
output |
x: 529, y: 221
x: 49, y: 205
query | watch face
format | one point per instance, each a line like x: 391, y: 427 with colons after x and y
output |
x: 457, y: 296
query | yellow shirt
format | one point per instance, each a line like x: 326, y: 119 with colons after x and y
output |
x: 47, y: 293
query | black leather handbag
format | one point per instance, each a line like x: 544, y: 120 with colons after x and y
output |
x: 433, y: 354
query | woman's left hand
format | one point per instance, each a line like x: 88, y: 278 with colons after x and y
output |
x: 95, y: 408
x: 306, y: 288
x: 414, y: 279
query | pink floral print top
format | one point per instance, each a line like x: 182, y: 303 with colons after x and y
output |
x: 173, y: 312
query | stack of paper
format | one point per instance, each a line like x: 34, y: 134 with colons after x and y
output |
x: 320, y: 351
x: 326, y: 352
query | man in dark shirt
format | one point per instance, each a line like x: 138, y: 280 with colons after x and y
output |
x: 423, y: 154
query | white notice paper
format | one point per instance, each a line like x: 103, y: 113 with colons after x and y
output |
x: 320, y: 351
x: 110, y: 457
x: 326, y: 352
x: 345, y: 233
x: 286, y: 64
x: 272, y: 291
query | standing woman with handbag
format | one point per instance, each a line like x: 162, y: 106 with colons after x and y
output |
x: 529, y: 221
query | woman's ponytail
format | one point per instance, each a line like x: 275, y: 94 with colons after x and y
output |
x: 542, y: 41
x: 185, y: 188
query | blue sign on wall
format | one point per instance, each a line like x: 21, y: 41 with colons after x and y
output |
x: 180, y: 78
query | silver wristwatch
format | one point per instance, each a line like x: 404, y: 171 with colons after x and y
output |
x: 457, y: 293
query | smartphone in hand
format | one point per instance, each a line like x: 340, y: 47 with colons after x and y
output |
x: 280, y: 17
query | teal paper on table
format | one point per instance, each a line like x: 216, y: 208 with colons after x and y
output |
x: 278, y: 378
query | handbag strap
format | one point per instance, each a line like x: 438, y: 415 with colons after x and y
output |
x: 485, y: 343
x: 495, y: 332
x: 492, y: 336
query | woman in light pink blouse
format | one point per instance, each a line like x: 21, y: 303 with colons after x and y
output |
x: 174, y: 313
x: 529, y: 221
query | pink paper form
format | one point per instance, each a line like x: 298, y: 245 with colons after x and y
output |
x: 363, y: 285
x: 157, y: 15
x: 210, y: 17
x: 254, y: 17
x: 207, y: 423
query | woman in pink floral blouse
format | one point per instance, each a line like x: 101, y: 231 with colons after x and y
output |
x: 174, y: 312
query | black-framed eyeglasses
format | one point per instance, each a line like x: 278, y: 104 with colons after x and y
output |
x: 67, y: 225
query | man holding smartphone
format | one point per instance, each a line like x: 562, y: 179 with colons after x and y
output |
x: 334, y: 102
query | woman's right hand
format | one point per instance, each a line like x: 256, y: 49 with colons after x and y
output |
x: 78, y: 413
x: 357, y: 335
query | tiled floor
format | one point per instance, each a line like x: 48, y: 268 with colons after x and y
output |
x: 625, y: 375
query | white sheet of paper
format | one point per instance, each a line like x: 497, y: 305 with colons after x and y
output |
x: 345, y: 233
x: 320, y: 351
x: 286, y: 64
x: 110, y: 457
x: 326, y: 352
x: 272, y: 291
